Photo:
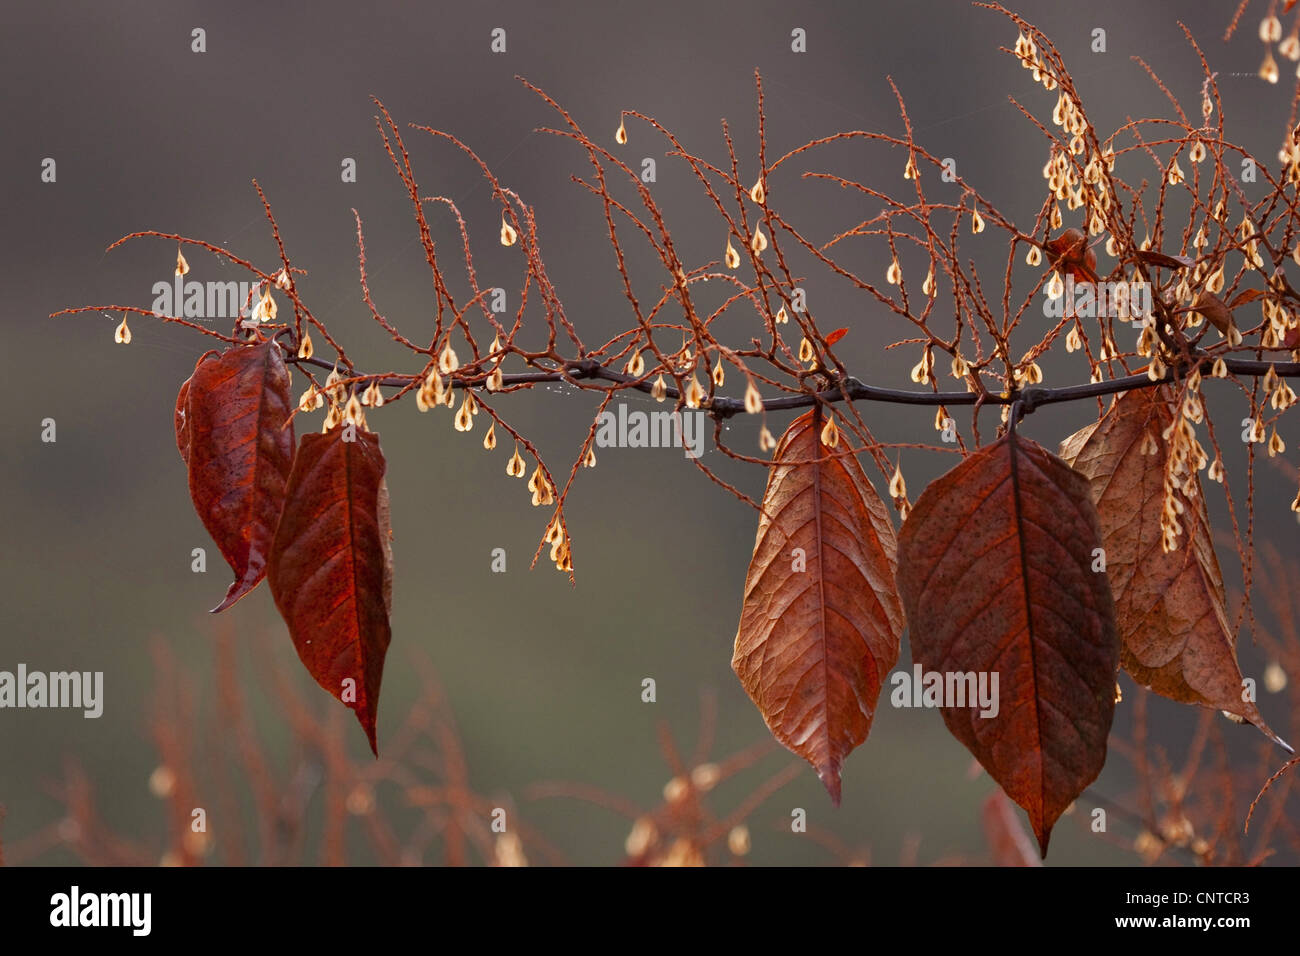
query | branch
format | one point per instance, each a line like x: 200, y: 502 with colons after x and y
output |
x: 723, y: 406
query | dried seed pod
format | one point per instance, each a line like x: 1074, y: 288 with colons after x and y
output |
x: 830, y: 435
x: 267, y: 307
x: 659, y: 391
x: 447, y: 360
x: 753, y: 401
x: 515, y: 466
x: 1055, y: 287
x: 310, y: 400
x: 305, y: 347
x: 508, y: 234
x: 620, y: 134
x: 352, y: 411
x: 921, y: 370
x: 897, y: 486
x: 694, y: 393
x: 437, y: 393
x: 540, y: 487
x: 182, y: 267
x: 464, y: 417
x: 757, y: 193
x: 732, y: 257
x: 332, y: 386
x: 122, y: 335
x: 1268, y: 71
x: 490, y: 439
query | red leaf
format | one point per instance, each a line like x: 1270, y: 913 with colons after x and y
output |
x: 819, y: 632
x: 182, y: 421
x: 1170, y: 607
x: 995, y: 570
x: 836, y: 336
x: 1070, y: 251
x: 237, y: 428
x: 331, y: 566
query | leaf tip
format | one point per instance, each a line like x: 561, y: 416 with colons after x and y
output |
x: 1043, y: 839
x: 236, y: 591
x: 1280, y: 742
x: 1252, y: 715
x: 830, y: 778
x: 366, y: 717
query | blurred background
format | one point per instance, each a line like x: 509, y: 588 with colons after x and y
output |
x: 543, y: 678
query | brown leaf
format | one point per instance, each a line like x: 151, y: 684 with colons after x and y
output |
x: 817, y: 636
x: 1214, y: 309
x: 1246, y: 295
x: 1170, y: 608
x: 237, y: 428
x: 331, y: 566
x: 995, y: 570
x: 1154, y: 258
x: 1008, y: 842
